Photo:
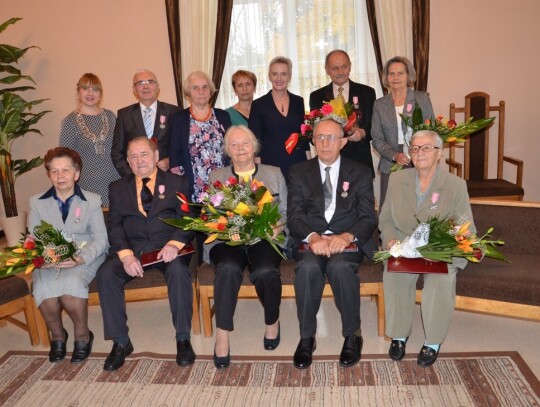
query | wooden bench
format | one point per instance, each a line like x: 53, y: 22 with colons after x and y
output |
x: 500, y: 288
x: 370, y: 278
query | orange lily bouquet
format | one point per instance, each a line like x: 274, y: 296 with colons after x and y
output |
x: 442, y: 240
x: 47, y: 246
x: 236, y: 212
x: 343, y: 113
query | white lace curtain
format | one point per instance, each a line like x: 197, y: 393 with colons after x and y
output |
x: 303, y: 30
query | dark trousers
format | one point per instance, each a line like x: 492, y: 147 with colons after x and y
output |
x: 311, y: 272
x: 262, y: 262
x: 111, y: 279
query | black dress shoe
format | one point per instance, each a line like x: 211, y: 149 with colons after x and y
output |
x: 117, y: 357
x: 427, y: 356
x: 58, y: 349
x: 351, y: 351
x: 221, y: 362
x: 184, y: 353
x: 397, y: 349
x: 82, y: 349
x: 304, y: 353
x: 271, y: 344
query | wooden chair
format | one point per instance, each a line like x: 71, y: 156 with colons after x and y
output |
x: 476, y: 153
x: 14, y: 298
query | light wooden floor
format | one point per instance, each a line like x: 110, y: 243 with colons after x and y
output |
x: 151, y: 330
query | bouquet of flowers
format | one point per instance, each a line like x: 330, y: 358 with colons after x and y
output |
x: 47, y: 245
x: 449, y: 130
x: 344, y: 113
x: 236, y: 212
x: 441, y: 240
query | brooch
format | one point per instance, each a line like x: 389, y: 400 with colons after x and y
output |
x: 345, y: 194
x: 77, y: 215
x: 434, y: 199
x: 162, y: 119
x: 161, y: 190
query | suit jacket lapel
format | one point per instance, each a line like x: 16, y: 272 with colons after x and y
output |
x: 132, y: 193
x: 315, y: 183
x: 409, y: 185
x: 328, y: 93
x: 137, y: 118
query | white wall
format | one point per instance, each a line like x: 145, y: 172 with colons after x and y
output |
x: 115, y: 38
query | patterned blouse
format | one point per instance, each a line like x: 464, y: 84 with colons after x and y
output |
x: 206, y: 150
x: 91, y: 136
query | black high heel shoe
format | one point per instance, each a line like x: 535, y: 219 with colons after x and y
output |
x: 82, y: 349
x: 221, y: 362
x: 58, y: 349
x: 272, y: 344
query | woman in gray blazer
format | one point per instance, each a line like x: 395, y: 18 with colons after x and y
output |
x: 261, y: 259
x: 389, y: 133
x: 78, y: 215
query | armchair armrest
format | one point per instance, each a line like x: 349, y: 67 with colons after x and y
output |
x: 455, y: 166
x: 519, y: 165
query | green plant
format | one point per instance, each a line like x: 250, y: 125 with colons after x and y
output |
x: 16, y: 120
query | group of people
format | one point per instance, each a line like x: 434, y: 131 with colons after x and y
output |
x: 136, y: 163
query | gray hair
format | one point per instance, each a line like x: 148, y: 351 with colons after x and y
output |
x: 252, y: 138
x: 437, y: 139
x: 187, y: 83
x: 411, y: 72
x: 329, y: 119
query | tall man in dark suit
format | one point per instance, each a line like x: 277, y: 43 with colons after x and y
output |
x: 149, y: 117
x: 362, y: 97
x: 330, y: 205
x: 138, y: 201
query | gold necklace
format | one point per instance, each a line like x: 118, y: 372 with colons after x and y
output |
x: 97, y: 139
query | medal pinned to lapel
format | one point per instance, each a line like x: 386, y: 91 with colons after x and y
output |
x: 161, y: 190
x: 345, y: 194
x: 77, y: 215
x: 162, y: 119
x: 434, y: 199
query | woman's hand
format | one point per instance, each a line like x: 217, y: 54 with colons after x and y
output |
x: 276, y: 231
x: 390, y: 244
x: 68, y: 263
x: 402, y: 159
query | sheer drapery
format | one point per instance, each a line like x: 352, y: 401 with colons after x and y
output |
x: 303, y: 30
x: 420, y: 23
x: 401, y: 27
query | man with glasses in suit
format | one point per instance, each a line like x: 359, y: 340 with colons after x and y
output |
x: 148, y: 117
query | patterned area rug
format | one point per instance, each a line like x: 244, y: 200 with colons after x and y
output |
x: 458, y: 379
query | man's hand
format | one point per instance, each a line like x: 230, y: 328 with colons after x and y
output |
x: 169, y: 253
x: 132, y: 266
x: 319, y: 245
x: 356, y: 134
x: 338, y: 243
x: 163, y: 165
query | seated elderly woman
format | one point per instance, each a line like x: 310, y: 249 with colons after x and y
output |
x: 415, y: 195
x: 78, y: 215
x: 261, y: 259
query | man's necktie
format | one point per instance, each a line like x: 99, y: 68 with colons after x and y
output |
x: 147, y: 120
x: 327, y: 188
x: 340, y: 94
x: 146, y: 195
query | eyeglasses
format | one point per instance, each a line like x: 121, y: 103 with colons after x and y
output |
x: 149, y: 82
x: 330, y: 137
x: 426, y: 148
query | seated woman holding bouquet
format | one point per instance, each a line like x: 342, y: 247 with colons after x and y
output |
x: 416, y: 195
x: 262, y: 261
x: 64, y: 286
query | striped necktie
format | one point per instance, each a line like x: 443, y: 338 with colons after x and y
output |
x: 147, y: 119
x: 327, y: 188
x: 340, y: 94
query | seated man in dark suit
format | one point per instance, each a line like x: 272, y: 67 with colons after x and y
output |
x: 330, y: 205
x: 362, y: 97
x: 149, y: 116
x: 138, y: 201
